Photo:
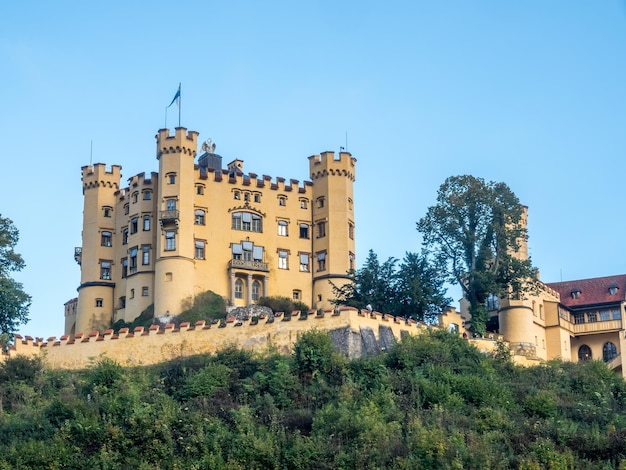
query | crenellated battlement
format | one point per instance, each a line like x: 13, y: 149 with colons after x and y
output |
x: 326, y: 163
x: 181, y: 142
x: 154, y: 345
x: 97, y: 176
x: 254, y: 180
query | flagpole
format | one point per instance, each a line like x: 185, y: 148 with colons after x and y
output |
x: 165, y: 126
x: 180, y: 103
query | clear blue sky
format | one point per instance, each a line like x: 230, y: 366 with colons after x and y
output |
x: 532, y: 93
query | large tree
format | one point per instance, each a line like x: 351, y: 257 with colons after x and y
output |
x: 476, y: 232
x: 414, y: 289
x: 14, y: 302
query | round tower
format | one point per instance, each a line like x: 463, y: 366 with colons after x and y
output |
x: 333, y: 223
x: 96, y: 256
x: 174, y: 264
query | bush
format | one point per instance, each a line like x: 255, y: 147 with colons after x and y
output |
x: 205, y: 306
x: 282, y: 304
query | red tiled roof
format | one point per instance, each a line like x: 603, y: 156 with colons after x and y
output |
x: 592, y: 291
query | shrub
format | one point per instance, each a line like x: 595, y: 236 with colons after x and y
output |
x: 205, y: 306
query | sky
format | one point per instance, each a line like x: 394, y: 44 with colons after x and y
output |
x: 530, y: 93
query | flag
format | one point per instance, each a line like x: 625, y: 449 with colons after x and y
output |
x: 176, y: 98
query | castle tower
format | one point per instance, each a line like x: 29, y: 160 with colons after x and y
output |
x: 333, y: 247
x: 96, y: 256
x: 174, y: 254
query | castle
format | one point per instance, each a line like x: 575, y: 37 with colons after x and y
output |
x: 195, y: 226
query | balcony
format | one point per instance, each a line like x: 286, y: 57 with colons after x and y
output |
x: 78, y: 254
x: 594, y: 327
x: 248, y: 265
x: 169, y: 217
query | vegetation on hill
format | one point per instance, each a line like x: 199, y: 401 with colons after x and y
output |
x: 432, y: 401
x: 283, y: 304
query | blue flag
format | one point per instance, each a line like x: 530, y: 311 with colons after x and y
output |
x: 176, y: 98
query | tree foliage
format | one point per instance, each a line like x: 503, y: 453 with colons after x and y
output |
x: 14, y: 302
x: 205, y: 306
x: 414, y: 288
x: 476, y: 231
x: 282, y: 304
x: 432, y: 401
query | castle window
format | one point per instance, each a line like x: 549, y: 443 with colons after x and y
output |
x: 170, y: 205
x: 133, y: 260
x: 492, y: 303
x: 592, y: 317
x: 199, y: 249
x: 236, y: 195
x: 351, y: 260
x: 604, y: 315
x: 304, y: 262
x: 296, y: 294
x: 170, y: 240
x: 321, y: 229
x: 257, y: 253
x: 282, y: 201
x: 122, y: 302
x: 584, y: 353
x: 146, y: 223
x: 105, y: 270
x: 579, y: 318
x: 135, y: 196
x: 246, y: 197
x: 99, y: 302
x: 145, y: 291
x: 257, y: 198
x: 616, y: 313
x: 613, y: 289
x: 134, y: 223
x: 200, y: 189
x: 145, y: 255
x: 124, y: 267
x: 247, y: 221
x: 321, y: 261
x: 199, y: 220
x: 147, y: 195
x: 609, y: 352
x: 282, y: 228
x: 303, y: 204
x: 126, y: 209
x: 107, y: 210
x: 304, y: 231
x: 125, y: 236
x: 256, y: 288
x: 132, y: 293
x: 239, y: 289
x: 105, y: 239
x: 283, y: 259
x: 320, y: 202
x: 237, y: 250
x: 351, y: 230
x: 576, y: 293
x: 171, y: 178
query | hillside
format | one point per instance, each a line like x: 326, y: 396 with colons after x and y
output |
x: 433, y: 401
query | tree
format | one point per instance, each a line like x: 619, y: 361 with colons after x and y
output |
x: 374, y: 284
x: 420, y: 288
x: 14, y: 302
x: 476, y: 231
x: 413, y: 289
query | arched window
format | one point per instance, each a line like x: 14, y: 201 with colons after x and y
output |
x: 609, y: 352
x: 584, y: 353
x: 199, y: 220
x: 239, y: 289
x: 256, y: 288
x: 282, y: 228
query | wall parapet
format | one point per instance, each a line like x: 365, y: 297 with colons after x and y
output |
x: 146, y: 346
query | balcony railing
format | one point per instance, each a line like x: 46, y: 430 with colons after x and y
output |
x: 169, y: 216
x: 249, y: 265
x: 593, y: 327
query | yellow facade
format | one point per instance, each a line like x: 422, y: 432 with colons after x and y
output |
x: 198, y: 225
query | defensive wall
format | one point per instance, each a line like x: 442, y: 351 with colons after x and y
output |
x: 354, y: 333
